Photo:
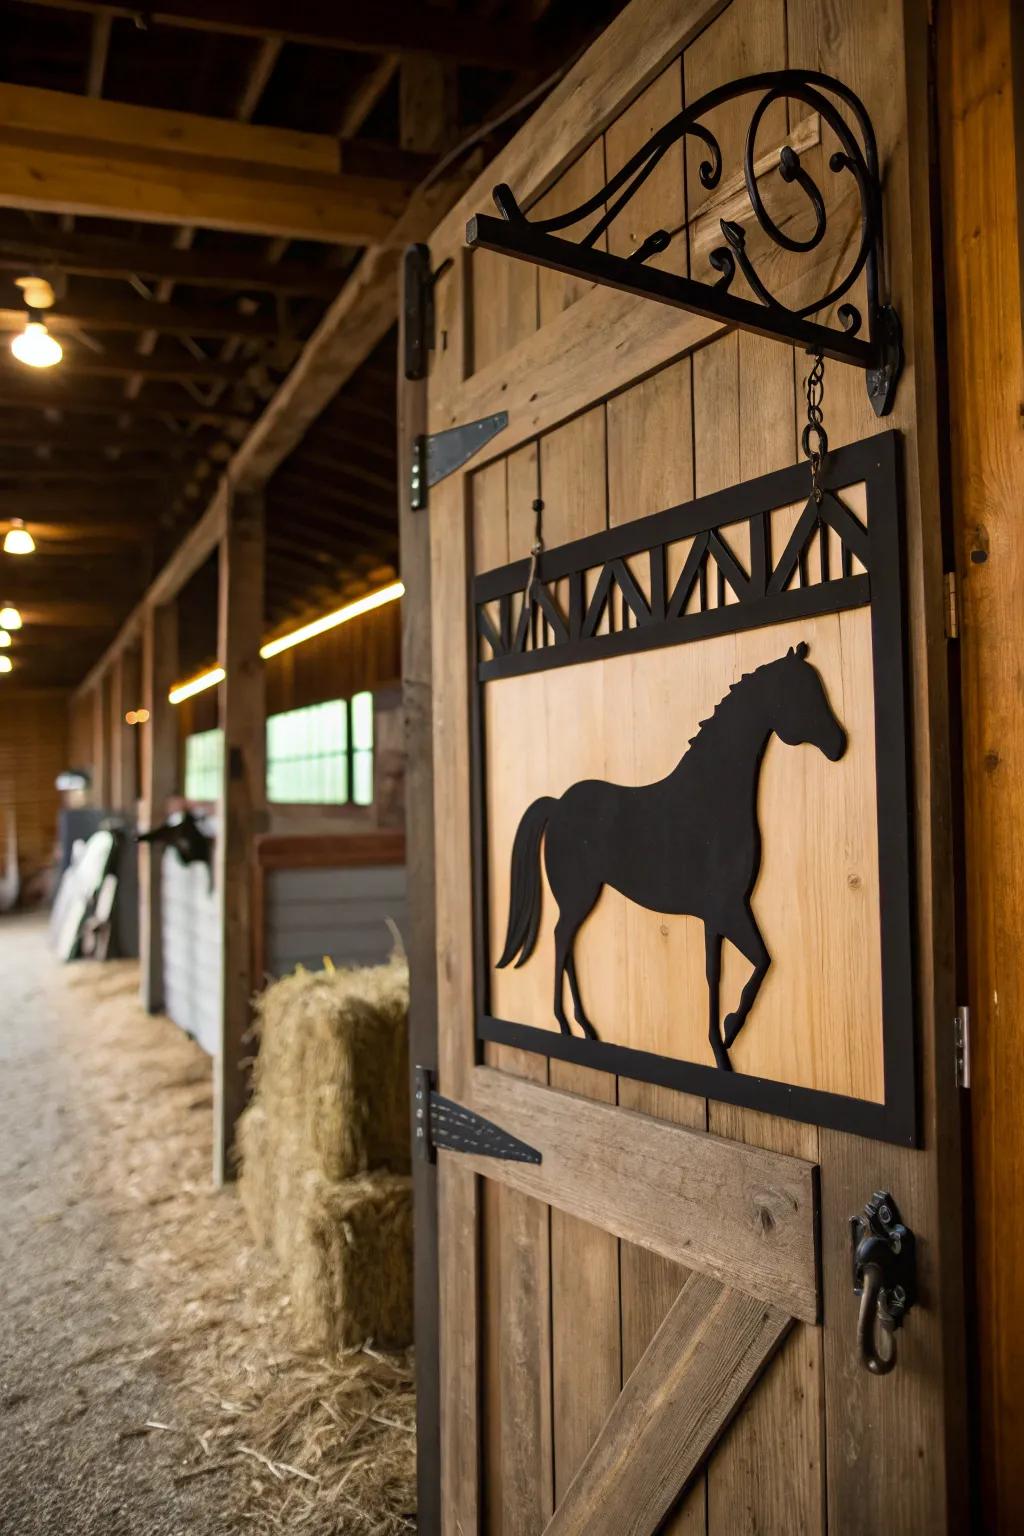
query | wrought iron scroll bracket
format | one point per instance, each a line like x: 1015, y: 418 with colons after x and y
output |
x: 871, y: 340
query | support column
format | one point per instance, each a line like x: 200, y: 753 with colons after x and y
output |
x: 101, y: 744
x: 124, y: 695
x: 243, y: 800
x: 159, y: 781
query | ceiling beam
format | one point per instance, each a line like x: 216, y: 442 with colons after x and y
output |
x: 18, y: 393
x: 86, y: 255
x: 74, y: 313
x: 105, y: 365
x: 69, y: 154
x: 386, y: 26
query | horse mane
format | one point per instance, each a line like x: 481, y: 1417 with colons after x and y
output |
x: 726, y: 704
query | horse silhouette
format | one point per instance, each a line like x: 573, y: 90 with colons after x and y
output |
x: 689, y: 844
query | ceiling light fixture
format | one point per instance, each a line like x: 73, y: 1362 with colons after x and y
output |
x: 197, y: 685
x: 10, y: 618
x: 18, y: 540
x: 361, y: 605
x: 35, y: 346
x: 5, y: 640
x: 6, y: 664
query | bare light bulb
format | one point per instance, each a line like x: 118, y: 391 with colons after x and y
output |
x: 6, y: 665
x: 10, y: 618
x: 18, y: 540
x: 36, y: 347
x: 5, y: 640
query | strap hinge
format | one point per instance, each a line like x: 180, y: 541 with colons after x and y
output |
x: 441, y: 1123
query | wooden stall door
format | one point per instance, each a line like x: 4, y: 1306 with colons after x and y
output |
x: 653, y: 1328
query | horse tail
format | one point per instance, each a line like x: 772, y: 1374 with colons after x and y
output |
x: 525, y: 892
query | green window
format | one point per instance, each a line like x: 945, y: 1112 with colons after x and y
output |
x: 204, y: 765
x: 323, y: 754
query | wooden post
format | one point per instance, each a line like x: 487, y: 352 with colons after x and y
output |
x: 100, y: 744
x: 159, y: 780
x: 980, y: 100
x: 242, y: 800
x: 124, y: 688
x: 414, y: 535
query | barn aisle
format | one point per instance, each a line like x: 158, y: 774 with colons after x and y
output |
x: 96, y: 1278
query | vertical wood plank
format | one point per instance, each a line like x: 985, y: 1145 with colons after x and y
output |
x: 586, y: 1321
x: 979, y: 99
x: 242, y: 800
x: 101, y: 742
x: 159, y: 780
x: 916, y: 1421
x: 417, y: 689
x: 458, y: 1195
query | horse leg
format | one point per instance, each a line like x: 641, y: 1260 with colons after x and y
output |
x: 577, y: 1003
x: 746, y: 936
x: 564, y: 935
x: 713, y: 967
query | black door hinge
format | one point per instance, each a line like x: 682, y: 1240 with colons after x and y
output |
x: 440, y: 454
x: 440, y: 1122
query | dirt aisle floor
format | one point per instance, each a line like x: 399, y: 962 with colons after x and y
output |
x: 144, y: 1387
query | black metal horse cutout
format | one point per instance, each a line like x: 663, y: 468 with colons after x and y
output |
x: 689, y: 844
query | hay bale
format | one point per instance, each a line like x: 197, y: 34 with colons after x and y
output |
x: 324, y: 1150
x: 352, y: 1263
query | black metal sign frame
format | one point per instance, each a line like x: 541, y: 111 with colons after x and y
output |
x: 764, y: 598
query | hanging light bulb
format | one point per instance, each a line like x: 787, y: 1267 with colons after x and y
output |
x: 6, y: 665
x: 35, y: 346
x: 10, y: 618
x: 18, y: 540
x: 5, y: 640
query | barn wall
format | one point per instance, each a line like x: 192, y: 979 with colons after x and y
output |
x: 33, y: 750
x: 337, y: 912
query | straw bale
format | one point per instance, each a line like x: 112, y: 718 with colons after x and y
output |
x: 352, y: 1262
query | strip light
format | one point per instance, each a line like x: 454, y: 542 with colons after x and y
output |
x: 367, y: 604
x: 332, y: 620
x: 197, y: 685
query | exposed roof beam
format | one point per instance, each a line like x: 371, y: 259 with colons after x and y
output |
x: 106, y: 365
x: 385, y: 26
x: 366, y: 95
x: 67, y: 153
x: 24, y: 396
x: 73, y: 313
x: 96, y: 256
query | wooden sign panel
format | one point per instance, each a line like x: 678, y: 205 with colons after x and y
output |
x: 692, y: 839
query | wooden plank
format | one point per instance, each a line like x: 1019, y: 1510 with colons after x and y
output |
x: 390, y: 26
x: 979, y: 102
x: 458, y: 1196
x: 159, y: 781
x: 124, y: 696
x: 275, y: 850
x: 101, y: 743
x: 618, y: 66
x: 698, y: 1368
x: 242, y: 800
x: 924, y: 1406
x: 109, y: 159
x: 738, y: 1213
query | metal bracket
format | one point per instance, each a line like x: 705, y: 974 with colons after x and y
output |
x: 418, y: 307
x: 879, y: 352
x: 440, y: 1122
x: 440, y: 454
x: 884, y: 1271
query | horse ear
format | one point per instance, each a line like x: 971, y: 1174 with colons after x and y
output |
x: 802, y: 649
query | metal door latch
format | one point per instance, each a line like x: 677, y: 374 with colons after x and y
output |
x: 884, y: 1277
x: 440, y: 1122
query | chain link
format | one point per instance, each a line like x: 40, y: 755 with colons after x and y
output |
x: 814, y: 390
x: 536, y: 550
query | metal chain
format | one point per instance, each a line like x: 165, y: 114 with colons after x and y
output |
x: 814, y: 389
x: 536, y: 550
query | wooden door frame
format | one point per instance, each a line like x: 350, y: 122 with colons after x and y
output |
x: 646, y: 341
